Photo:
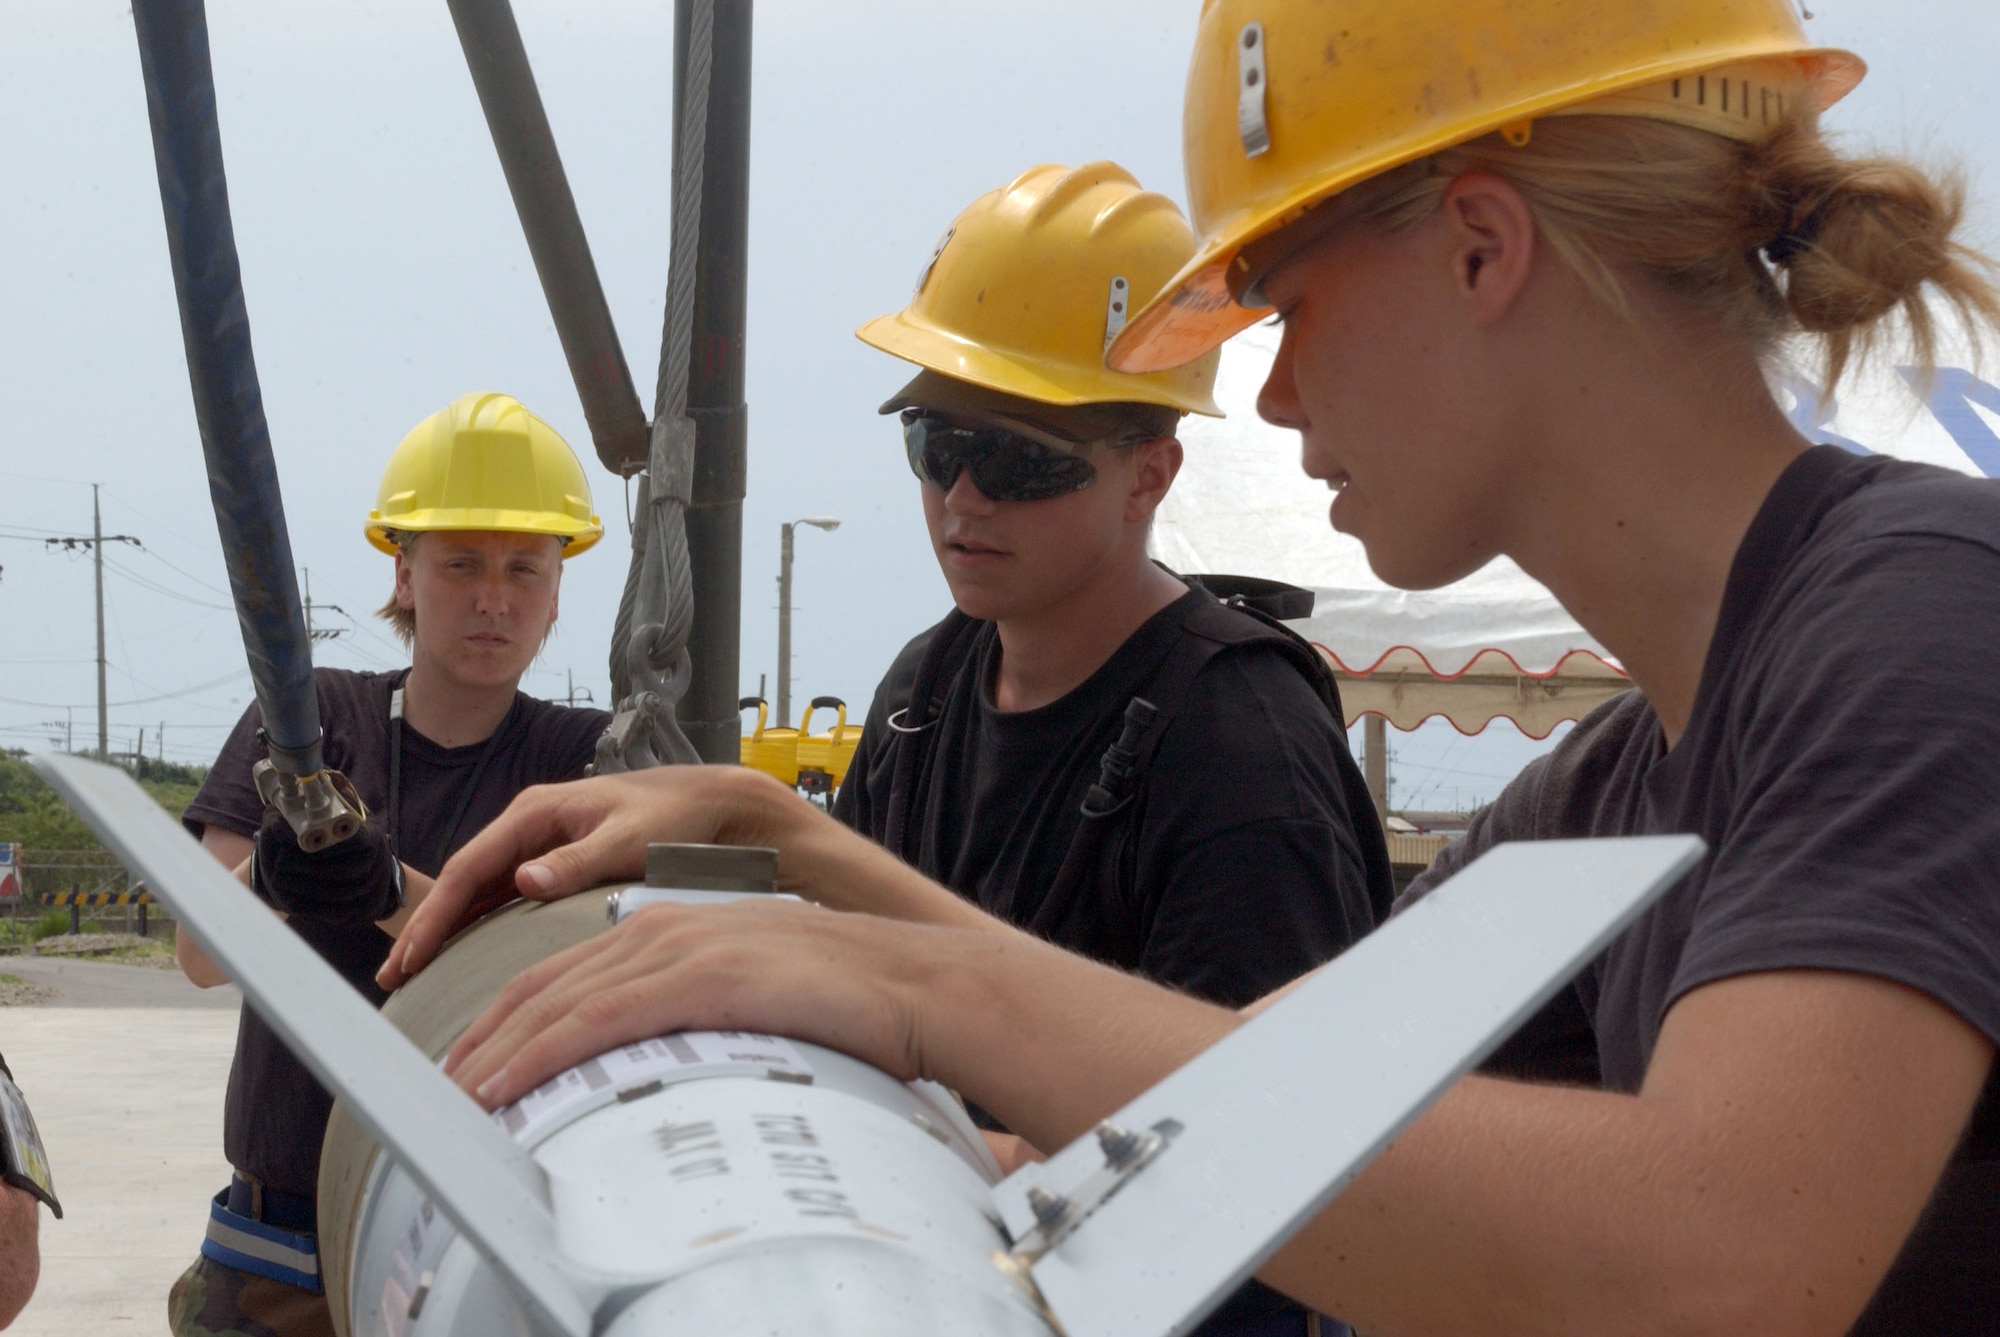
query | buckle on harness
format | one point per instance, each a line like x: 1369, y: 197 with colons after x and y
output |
x: 1121, y: 762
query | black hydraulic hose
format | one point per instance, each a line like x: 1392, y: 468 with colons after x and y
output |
x: 228, y: 406
x: 535, y: 177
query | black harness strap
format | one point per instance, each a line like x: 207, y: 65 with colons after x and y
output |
x: 1127, y: 760
x: 944, y: 659
x: 1209, y: 630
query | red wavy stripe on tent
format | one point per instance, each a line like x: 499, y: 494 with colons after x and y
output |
x: 1441, y: 676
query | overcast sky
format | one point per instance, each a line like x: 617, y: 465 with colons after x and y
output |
x: 386, y: 275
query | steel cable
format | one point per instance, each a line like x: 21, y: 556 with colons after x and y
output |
x: 650, y: 665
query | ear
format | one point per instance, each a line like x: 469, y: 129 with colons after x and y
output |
x: 1155, y: 465
x: 406, y: 590
x: 1490, y: 237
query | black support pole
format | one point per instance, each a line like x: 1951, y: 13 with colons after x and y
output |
x: 708, y: 713
x: 535, y: 177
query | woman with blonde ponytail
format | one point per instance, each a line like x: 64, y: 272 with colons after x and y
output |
x: 1535, y: 262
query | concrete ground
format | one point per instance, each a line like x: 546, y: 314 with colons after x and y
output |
x: 84, y: 983
x: 125, y: 1069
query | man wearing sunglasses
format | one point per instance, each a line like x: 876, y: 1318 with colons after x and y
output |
x: 1087, y: 746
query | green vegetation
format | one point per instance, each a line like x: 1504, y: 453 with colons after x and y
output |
x: 48, y: 926
x: 32, y: 816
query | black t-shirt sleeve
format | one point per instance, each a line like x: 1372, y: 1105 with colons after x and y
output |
x: 1869, y: 840
x: 227, y: 798
x: 1248, y: 863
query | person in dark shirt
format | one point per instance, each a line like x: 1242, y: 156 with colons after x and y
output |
x: 1241, y: 850
x: 435, y: 752
x: 1530, y: 299
x: 1241, y: 847
x: 1244, y: 848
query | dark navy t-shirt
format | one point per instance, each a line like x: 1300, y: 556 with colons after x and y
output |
x: 1842, y: 762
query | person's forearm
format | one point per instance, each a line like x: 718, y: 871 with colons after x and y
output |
x: 195, y: 963
x: 201, y: 971
x: 1516, y: 1209
x: 1791, y: 1128
x: 824, y: 862
x: 1048, y: 1042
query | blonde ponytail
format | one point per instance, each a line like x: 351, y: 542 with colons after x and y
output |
x: 1864, y: 238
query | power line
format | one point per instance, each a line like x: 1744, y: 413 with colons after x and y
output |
x: 182, y: 695
x: 186, y: 575
x: 147, y: 583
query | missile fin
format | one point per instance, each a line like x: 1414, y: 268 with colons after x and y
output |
x: 1142, y: 1229
x: 453, y: 1150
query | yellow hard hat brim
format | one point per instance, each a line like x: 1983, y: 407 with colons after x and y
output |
x: 906, y: 336
x: 576, y: 535
x: 1196, y: 313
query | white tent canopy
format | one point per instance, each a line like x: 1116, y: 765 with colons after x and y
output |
x: 1496, y: 643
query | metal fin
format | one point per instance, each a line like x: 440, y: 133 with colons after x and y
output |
x: 455, y: 1153
x: 1278, y: 1116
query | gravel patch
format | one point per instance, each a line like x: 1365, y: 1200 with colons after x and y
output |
x: 18, y: 992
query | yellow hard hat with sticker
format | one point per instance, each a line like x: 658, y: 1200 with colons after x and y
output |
x: 1034, y: 280
x: 1292, y: 101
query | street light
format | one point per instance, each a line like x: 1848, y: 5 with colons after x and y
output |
x: 829, y: 524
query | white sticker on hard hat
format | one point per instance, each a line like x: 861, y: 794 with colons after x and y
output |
x: 931, y: 263
x: 1250, y: 122
x: 1116, y: 308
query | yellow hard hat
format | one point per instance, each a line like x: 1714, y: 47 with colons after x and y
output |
x: 1035, y: 278
x: 1291, y: 101
x: 485, y: 462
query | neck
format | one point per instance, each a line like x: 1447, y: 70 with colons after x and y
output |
x: 1048, y: 654
x: 452, y: 713
x: 1633, y: 515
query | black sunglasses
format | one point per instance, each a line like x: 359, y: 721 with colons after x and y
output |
x: 1005, y: 465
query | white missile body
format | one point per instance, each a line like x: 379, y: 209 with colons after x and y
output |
x: 761, y: 1185
x: 709, y: 1184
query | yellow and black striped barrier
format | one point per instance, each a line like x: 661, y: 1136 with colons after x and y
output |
x: 78, y: 898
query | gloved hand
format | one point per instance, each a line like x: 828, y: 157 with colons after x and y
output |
x: 357, y: 881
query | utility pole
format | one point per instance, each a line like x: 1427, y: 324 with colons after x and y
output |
x: 98, y: 538
x: 1375, y: 761
x: 97, y: 551
x: 829, y: 524
x: 313, y: 637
